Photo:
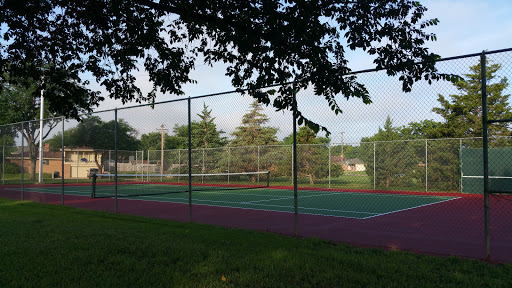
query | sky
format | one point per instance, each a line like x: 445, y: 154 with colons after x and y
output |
x: 465, y: 27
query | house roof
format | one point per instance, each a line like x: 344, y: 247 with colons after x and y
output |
x: 46, y: 155
x: 353, y: 161
x: 347, y: 161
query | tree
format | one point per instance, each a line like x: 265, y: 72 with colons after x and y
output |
x: 252, y: 131
x: 425, y: 129
x: 312, y: 155
x: 205, y: 133
x: 244, y: 150
x: 442, y: 154
x: 7, y: 143
x: 18, y: 104
x: 94, y: 133
x: 153, y: 141
x: 349, y: 151
x: 112, y: 40
x: 463, y: 112
x: 395, y: 161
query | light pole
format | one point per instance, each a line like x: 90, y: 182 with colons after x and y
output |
x: 162, y: 132
x: 41, y: 137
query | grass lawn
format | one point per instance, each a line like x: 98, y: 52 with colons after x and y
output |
x: 53, y: 246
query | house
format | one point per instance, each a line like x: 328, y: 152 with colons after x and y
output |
x: 77, y: 161
x: 353, y: 164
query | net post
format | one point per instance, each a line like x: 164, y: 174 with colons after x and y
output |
x: 93, y: 191
x: 485, y: 154
x: 268, y: 179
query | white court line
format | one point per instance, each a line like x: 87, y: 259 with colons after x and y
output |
x: 34, y: 190
x: 244, y: 208
x: 375, y: 214
x: 277, y: 206
x: 265, y: 205
x: 412, y: 207
x: 284, y: 198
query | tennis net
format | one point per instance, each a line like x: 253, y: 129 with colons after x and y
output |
x: 132, y: 185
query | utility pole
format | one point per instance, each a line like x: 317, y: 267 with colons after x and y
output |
x: 162, y: 132
x: 342, y: 157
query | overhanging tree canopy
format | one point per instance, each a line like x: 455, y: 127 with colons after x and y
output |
x: 262, y: 43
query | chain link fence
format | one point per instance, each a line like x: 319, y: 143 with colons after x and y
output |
x: 404, y: 172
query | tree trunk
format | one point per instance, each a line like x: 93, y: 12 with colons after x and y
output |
x: 311, y: 181
x: 99, y: 165
x: 33, y: 161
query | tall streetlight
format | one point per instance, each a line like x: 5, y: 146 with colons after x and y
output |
x: 41, y: 116
x: 162, y: 132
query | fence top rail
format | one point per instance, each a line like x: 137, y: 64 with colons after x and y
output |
x: 438, y: 139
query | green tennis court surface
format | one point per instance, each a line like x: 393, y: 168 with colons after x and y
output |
x: 328, y: 203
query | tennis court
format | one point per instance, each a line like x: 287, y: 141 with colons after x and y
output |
x: 356, y: 205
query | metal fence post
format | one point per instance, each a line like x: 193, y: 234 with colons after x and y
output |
x: 3, y: 165
x: 109, y: 162
x: 291, y: 146
x: 485, y: 154
x: 460, y: 165
x: 189, y: 163
x: 115, y: 159
x: 202, y: 169
x: 329, y: 164
x: 62, y: 163
x: 426, y: 166
x: 136, y: 165
x: 374, y: 168
x: 77, y: 163
x: 142, y: 165
x: 22, y: 158
x: 258, y: 163
x: 295, y: 196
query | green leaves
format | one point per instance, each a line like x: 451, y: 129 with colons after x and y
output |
x: 262, y: 43
x: 252, y: 130
x: 463, y: 112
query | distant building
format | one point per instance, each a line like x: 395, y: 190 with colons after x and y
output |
x: 353, y: 164
x: 77, y: 161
